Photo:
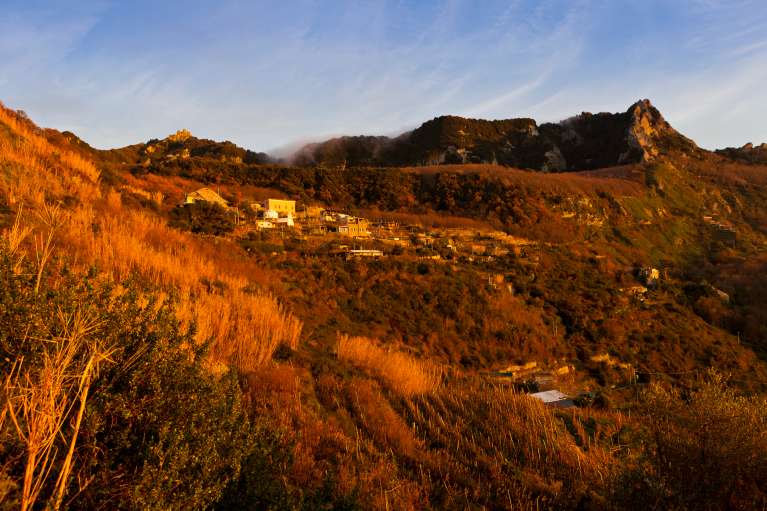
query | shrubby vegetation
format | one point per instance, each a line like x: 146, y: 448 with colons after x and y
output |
x: 157, y: 432
x: 202, y: 218
x: 706, y: 448
x: 147, y: 367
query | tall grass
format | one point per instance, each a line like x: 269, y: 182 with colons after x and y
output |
x: 46, y: 405
x: 97, y: 230
x: 516, y: 440
x: 40, y: 169
x: 399, y: 371
x: 247, y: 328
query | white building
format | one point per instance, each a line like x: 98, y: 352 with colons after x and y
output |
x: 285, y: 221
x: 553, y: 398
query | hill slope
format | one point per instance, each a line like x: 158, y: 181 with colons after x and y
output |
x: 260, y: 370
x: 749, y: 153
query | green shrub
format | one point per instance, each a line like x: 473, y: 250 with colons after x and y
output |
x: 159, y: 432
x: 706, y: 449
x: 202, y: 218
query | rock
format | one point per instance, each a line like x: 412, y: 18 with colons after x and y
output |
x: 554, y: 160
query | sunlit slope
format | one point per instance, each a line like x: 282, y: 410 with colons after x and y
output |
x: 58, y: 191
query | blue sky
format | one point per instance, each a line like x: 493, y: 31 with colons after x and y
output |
x: 266, y: 74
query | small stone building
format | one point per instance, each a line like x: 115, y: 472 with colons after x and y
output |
x: 355, y: 227
x: 206, y: 195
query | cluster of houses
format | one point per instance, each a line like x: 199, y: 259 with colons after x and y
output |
x: 307, y: 220
x: 283, y: 213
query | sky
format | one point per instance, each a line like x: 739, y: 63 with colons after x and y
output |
x: 268, y: 75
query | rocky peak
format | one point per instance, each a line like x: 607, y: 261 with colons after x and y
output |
x: 648, y: 133
x: 645, y: 127
x: 751, y: 147
x: 583, y: 142
x: 748, y: 153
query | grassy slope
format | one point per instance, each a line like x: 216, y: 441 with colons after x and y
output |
x: 345, y: 432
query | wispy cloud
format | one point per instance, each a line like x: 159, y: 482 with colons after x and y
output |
x: 266, y: 73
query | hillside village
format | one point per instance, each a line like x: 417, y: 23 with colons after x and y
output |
x: 553, y: 382
x: 368, y: 237
x: 353, y: 236
x: 440, y: 321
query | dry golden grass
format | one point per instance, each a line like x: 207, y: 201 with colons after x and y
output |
x: 38, y: 169
x: 246, y: 329
x: 494, y: 430
x: 46, y: 405
x: 97, y: 230
x: 399, y: 371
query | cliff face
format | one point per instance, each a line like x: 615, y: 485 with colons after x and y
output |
x: 586, y: 141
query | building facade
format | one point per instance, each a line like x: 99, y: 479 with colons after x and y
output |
x: 281, y: 206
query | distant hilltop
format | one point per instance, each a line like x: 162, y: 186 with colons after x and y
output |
x: 583, y: 142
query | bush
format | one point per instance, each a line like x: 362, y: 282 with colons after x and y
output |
x: 707, y: 449
x: 202, y: 218
x: 158, y: 432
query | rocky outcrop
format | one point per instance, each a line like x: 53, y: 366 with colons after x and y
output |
x: 586, y: 141
x: 648, y: 132
x: 749, y: 153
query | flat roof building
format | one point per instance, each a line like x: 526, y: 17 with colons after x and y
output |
x: 281, y: 206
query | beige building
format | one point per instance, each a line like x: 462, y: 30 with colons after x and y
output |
x: 283, y: 207
x: 311, y: 212
x: 205, y: 195
x: 354, y: 227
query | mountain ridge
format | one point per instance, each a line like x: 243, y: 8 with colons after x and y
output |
x: 582, y: 142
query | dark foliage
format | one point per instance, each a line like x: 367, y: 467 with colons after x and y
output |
x: 202, y: 218
x: 159, y: 432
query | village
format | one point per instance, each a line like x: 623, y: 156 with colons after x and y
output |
x: 355, y: 237
x: 358, y: 237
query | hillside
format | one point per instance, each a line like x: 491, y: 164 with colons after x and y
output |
x: 168, y: 357
x: 585, y: 141
x: 178, y: 148
x: 749, y: 153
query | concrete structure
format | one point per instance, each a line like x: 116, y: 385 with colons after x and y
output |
x: 364, y: 253
x: 650, y: 276
x: 354, y: 227
x: 554, y: 398
x: 281, y: 206
x: 286, y: 221
x: 314, y: 212
x: 206, y: 195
